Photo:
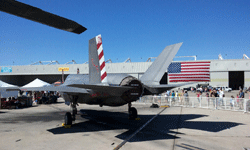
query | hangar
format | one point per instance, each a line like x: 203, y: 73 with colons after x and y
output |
x: 232, y: 73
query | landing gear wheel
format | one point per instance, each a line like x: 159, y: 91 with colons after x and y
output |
x: 68, y: 118
x: 132, y: 113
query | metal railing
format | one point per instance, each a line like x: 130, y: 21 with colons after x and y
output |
x: 233, y: 104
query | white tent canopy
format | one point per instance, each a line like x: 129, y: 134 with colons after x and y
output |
x: 8, y: 90
x: 6, y: 85
x: 36, y: 83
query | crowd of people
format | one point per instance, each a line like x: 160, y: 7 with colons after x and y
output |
x: 212, y: 94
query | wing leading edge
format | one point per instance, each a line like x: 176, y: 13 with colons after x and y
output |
x: 35, y: 14
x: 56, y: 88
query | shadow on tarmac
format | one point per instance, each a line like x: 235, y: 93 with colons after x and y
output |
x: 160, y: 128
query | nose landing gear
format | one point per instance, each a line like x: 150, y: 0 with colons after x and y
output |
x: 71, y: 117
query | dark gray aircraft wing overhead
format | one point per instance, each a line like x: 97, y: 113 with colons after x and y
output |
x: 35, y: 14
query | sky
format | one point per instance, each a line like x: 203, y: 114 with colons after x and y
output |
x: 135, y: 29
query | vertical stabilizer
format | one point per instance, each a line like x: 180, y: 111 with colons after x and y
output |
x: 155, y: 72
x: 97, y: 69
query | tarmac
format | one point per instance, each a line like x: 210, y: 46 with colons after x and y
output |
x: 174, y: 128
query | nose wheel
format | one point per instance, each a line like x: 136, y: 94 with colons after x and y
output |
x: 132, y: 112
x: 68, y: 118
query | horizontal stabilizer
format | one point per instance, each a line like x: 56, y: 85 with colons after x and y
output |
x: 157, y: 89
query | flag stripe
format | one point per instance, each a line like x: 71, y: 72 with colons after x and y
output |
x: 189, y: 77
x: 194, y: 65
x: 193, y: 68
x: 208, y: 62
x: 190, y: 80
x: 188, y: 74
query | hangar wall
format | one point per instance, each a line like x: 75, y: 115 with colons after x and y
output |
x: 247, y: 78
x: 131, y: 68
x: 230, y: 65
x: 21, y: 75
x: 219, y: 79
x: 220, y: 71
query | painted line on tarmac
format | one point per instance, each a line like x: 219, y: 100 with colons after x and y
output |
x: 143, y: 126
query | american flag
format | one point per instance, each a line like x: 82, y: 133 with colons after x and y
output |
x: 189, y: 71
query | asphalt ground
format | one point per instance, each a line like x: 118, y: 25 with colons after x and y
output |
x: 177, y: 128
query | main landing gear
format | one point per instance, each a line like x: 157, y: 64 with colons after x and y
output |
x: 132, y: 112
x: 71, y: 117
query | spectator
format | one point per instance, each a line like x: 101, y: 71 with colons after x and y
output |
x: 172, y: 96
x: 186, y: 97
x: 207, y: 95
x: 221, y: 94
x: 182, y: 96
x: 241, y: 94
x: 214, y: 94
x: 198, y: 96
x: 168, y: 93
x: 237, y: 96
x: 176, y: 96
x: 241, y: 99
x: 232, y: 102
x: 201, y: 89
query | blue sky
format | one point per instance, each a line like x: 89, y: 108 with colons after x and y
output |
x: 137, y: 29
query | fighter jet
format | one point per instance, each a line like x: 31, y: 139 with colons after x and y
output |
x: 100, y: 88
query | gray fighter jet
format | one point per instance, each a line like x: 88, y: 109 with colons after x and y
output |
x: 97, y: 88
x: 100, y: 88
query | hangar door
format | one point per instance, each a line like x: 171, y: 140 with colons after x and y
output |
x: 236, y: 79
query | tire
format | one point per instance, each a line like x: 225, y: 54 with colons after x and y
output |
x: 68, y: 118
x: 132, y: 113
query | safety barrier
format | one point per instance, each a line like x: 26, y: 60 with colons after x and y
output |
x: 234, y: 104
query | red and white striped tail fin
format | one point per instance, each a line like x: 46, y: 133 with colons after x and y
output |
x: 97, y: 70
x: 101, y: 59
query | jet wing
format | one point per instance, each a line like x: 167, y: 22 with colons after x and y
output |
x: 157, y: 89
x: 35, y: 14
x: 111, y: 90
x: 56, y: 88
